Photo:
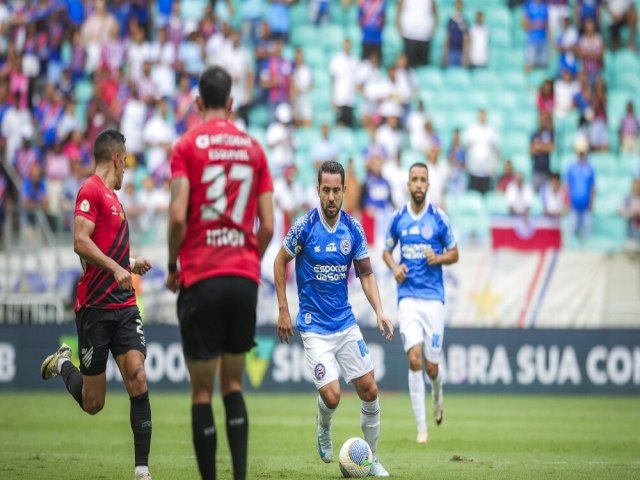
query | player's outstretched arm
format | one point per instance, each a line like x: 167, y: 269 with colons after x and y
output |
x: 265, y: 215
x: 399, y: 271
x: 370, y: 287
x: 285, y: 329
x: 89, y: 252
x: 177, y: 226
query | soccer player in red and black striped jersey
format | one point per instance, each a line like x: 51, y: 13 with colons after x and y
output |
x: 220, y: 183
x: 107, y: 318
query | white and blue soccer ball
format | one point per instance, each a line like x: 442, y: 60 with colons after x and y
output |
x: 355, y: 458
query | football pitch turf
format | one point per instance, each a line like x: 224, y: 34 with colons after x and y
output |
x: 46, y: 436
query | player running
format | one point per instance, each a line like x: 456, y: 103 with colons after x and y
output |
x: 220, y: 183
x: 426, y: 243
x: 324, y: 242
x: 107, y: 318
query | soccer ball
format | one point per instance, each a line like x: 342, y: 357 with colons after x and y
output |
x: 355, y: 458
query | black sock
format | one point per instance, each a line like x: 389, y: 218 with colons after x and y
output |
x: 141, y: 426
x: 237, y: 432
x: 72, y: 380
x: 205, y: 439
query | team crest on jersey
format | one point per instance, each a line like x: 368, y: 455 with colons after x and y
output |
x: 345, y: 246
x: 85, y: 205
x: 307, y: 318
x: 427, y: 232
x: 320, y: 371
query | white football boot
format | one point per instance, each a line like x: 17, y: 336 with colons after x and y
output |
x: 325, y: 442
x: 377, y: 470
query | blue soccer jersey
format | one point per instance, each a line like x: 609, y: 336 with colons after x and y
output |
x: 323, y: 258
x: 416, y: 233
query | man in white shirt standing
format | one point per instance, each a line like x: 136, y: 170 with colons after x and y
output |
x: 479, y: 42
x: 343, y: 69
x: 481, y: 144
x: 416, y: 21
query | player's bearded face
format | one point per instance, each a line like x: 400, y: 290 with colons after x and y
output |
x: 418, y: 184
x: 331, y: 192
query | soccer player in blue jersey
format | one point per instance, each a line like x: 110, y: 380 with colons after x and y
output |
x: 426, y: 243
x: 324, y: 243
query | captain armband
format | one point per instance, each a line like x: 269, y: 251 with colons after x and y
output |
x: 362, y: 267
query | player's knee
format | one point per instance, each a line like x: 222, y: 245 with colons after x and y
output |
x: 369, y: 393
x: 415, y: 360
x: 92, y: 405
x: 331, y: 399
x: 137, y: 380
x: 432, y: 369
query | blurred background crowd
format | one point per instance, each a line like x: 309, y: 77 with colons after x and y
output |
x: 524, y: 108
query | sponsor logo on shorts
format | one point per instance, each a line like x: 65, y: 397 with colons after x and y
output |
x: 345, y: 246
x: 320, y: 371
x: 436, y: 341
x: 87, y: 356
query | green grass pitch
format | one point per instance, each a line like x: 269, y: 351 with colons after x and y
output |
x: 46, y: 436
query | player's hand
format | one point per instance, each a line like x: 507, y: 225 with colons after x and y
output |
x: 123, y: 278
x: 400, y: 273
x: 432, y: 257
x: 385, y: 326
x: 285, y: 330
x: 172, y: 281
x: 142, y: 266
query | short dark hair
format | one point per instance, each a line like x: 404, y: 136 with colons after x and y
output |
x: 106, y: 143
x: 331, y: 166
x: 214, y: 87
x: 419, y: 164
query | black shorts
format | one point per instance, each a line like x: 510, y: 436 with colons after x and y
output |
x: 101, y: 330
x: 417, y: 52
x: 218, y: 315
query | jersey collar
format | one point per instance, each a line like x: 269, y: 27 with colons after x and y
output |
x: 324, y: 222
x: 417, y: 216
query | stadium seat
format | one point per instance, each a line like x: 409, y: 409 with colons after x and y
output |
x: 628, y: 81
x: 83, y: 91
x: 259, y: 116
x: 409, y: 157
x: 496, y: 203
x: 514, y: 143
x: 483, y: 79
x: 603, y: 163
x: 430, y: 78
x: 522, y: 164
x: 30, y: 281
x: 332, y: 37
x: 457, y: 79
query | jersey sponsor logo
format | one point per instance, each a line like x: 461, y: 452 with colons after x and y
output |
x: 114, y: 210
x: 331, y: 247
x: 414, y: 251
x: 330, y: 273
x: 427, y: 232
x: 317, y: 249
x: 205, y: 141
x: 319, y: 371
x: 85, y: 205
x: 225, y: 237
x: 414, y: 230
x: 345, y: 246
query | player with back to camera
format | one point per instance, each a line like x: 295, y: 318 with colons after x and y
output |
x: 107, y: 318
x: 220, y: 184
x: 324, y: 242
x: 426, y: 243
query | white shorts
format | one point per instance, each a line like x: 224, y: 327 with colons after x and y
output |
x: 329, y: 356
x: 422, y: 322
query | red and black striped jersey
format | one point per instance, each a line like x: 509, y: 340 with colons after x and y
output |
x: 98, y: 288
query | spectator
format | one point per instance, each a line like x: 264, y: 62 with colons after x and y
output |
x: 319, y: 11
x: 630, y: 210
x: 622, y: 13
x: 479, y: 43
x: 581, y: 191
x: 546, y: 98
x: 114, y: 52
x: 162, y: 55
x: 191, y: 52
x: 251, y: 15
x: 354, y: 187
x: 280, y: 140
x: 158, y: 136
x: 598, y: 132
x: 57, y: 170
x: 375, y: 88
x: 70, y: 188
x: 289, y: 200
x: 186, y: 112
x: 371, y: 17
x: 553, y: 197
x: 535, y: 21
x: 325, y: 149
x: 68, y: 122
x: 455, y: 50
x: 27, y: 156
x: 482, y: 153
x: 16, y: 123
x: 279, y: 18
x: 132, y: 125
x: 388, y: 135
x: 404, y: 85
x: 219, y: 45
x: 77, y: 150
x: 519, y: 196
x: 541, y: 146
x: 415, y: 127
x: 438, y: 174
x: 558, y: 12
x: 416, y: 21
x: 275, y: 78
x: 33, y: 195
x: 628, y: 131
x: 238, y: 64
x: 583, y: 99
x: 300, y: 90
x: 564, y: 91
x: 96, y: 32
x: 506, y: 177
x: 343, y: 68
x: 377, y: 203
x: 567, y: 45
x: 591, y: 51
x: 585, y: 10
x: 457, y: 180
x: 130, y: 199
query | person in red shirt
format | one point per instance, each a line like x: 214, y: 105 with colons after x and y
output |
x: 220, y: 184
x: 107, y: 318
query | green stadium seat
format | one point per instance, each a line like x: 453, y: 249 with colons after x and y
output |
x: 522, y: 164
x: 500, y: 39
x: 83, y: 91
x: 430, y: 78
x: 408, y: 157
x: 506, y: 101
x: 515, y: 143
x: 259, y: 116
x: 629, y: 81
x: 457, y: 79
x: 604, y: 163
x: 303, y: 36
x: 346, y: 139
x: 483, y: 79
x: 315, y: 57
x: 322, y: 80
x: 630, y: 164
x: 496, y: 203
x: 331, y: 37
x: 498, y: 17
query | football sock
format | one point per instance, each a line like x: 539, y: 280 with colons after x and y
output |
x: 237, y: 432
x: 72, y: 380
x: 436, y: 383
x: 416, y: 392
x: 205, y: 439
x: 325, y: 413
x: 140, y: 417
x: 370, y: 423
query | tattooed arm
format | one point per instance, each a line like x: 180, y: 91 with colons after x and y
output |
x: 177, y: 226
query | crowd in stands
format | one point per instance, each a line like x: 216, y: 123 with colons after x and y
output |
x: 353, y: 80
